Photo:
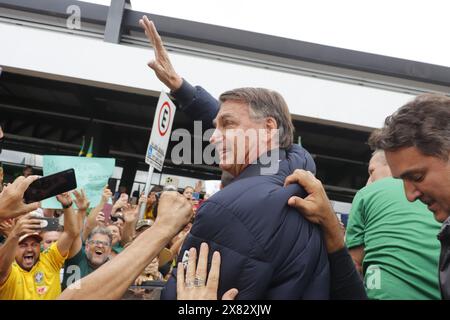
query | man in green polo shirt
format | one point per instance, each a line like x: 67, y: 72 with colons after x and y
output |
x: 87, y: 259
x: 392, y: 241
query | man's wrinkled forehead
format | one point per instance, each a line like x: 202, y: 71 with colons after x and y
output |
x: 230, y: 110
x: 100, y: 236
x: 224, y: 116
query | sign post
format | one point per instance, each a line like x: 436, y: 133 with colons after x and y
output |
x: 159, y: 140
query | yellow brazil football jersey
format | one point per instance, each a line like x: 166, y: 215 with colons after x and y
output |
x: 42, y: 282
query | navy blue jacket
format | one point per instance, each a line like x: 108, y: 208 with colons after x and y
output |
x: 345, y: 282
x: 268, y: 250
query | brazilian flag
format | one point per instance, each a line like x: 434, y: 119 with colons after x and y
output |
x: 81, y: 153
x: 90, y: 153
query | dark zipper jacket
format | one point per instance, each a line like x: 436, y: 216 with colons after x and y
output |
x: 444, y: 260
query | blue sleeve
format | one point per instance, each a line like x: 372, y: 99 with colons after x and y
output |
x: 197, y: 103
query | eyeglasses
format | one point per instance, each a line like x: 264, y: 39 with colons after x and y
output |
x: 98, y: 242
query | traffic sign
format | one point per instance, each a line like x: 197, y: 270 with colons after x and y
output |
x: 161, y: 131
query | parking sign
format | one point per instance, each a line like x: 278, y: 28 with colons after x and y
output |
x: 161, y: 130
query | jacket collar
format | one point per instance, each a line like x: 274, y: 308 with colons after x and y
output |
x: 254, y: 169
x: 444, y: 234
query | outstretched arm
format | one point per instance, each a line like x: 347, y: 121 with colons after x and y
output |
x: 196, y: 102
x: 82, y: 204
x: 112, y: 279
x: 92, y: 219
x: 25, y: 225
x: 71, y: 229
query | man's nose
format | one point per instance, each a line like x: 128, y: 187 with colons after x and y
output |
x: 216, y: 137
x: 411, y: 192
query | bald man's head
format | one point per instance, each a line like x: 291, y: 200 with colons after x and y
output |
x: 378, y: 167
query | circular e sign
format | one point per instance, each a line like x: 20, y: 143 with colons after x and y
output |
x: 164, y: 116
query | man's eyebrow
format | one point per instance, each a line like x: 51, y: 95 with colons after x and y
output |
x: 222, y: 118
x: 227, y: 116
x: 410, y: 172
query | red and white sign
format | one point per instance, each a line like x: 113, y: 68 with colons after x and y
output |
x: 161, y: 131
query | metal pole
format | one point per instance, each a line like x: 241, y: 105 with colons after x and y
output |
x: 146, y: 192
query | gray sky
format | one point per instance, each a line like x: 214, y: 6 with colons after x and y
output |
x: 413, y: 29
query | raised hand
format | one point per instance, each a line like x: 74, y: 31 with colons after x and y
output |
x: 64, y: 198
x: 100, y: 219
x: 142, y: 199
x: 25, y: 225
x: 198, y: 186
x: 174, y: 211
x: 81, y: 200
x: 161, y: 65
x: 106, y: 195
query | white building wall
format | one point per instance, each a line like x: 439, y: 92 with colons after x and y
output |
x: 83, y: 59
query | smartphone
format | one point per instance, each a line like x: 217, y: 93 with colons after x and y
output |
x: 107, y: 208
x: 50, y: 186
x: 49, y: 224
x: 196, y: 195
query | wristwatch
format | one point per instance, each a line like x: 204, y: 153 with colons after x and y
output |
x: 67, y: 206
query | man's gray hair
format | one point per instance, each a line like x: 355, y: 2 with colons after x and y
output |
x: 100, y: 230
x: 265, y: 103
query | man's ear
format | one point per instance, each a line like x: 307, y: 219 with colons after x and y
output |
x: 271, y: 123
x: 272, y: 131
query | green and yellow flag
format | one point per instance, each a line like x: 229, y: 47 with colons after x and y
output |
x: 90, y: 153
x: 81, y: 153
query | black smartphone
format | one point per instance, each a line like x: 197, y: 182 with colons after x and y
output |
x: 49, y: 224
x: 50, y: 186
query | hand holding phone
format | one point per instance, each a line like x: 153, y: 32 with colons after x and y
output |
x: 107, y: 208
x: 101, y: 220
x: 50, y: 186
x: 29, y: 223
x: 49, y: 224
